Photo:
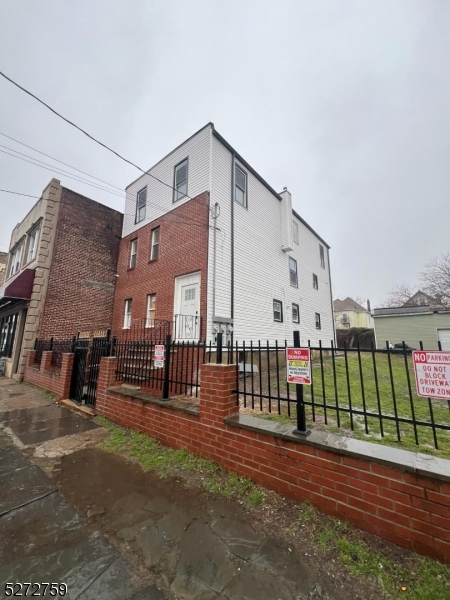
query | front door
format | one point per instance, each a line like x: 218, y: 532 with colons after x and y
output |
x: 187, y: 307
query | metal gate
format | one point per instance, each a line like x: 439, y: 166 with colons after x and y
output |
x: 86, y: 366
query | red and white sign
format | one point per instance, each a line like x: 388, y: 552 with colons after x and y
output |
x: 158, y: 361
x: 298, y: 365
x: 432, y: 371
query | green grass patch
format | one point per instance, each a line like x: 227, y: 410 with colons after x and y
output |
x: 426, y: 579
x: 368, y: 387
x: 165, y: 461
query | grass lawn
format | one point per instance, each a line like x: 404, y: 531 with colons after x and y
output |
x: 333, y: 387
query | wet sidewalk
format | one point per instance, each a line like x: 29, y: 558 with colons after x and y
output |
x: 108, y: 529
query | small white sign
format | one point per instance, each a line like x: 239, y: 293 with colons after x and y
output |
x: 432, y: 372
x: 159, y: 353
x: 158, y: 364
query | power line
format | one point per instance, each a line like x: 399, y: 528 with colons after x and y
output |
x: 166, y: 216
x: 88, y: 134
x: 57, y: 160
x: 81, y: 180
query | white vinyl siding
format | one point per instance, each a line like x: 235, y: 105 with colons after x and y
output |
x: 295, y: 231
x: 261, y: 267
x: 159, y: 196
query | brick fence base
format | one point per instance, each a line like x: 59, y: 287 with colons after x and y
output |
x: 50, y: 378
x: 392, y: 493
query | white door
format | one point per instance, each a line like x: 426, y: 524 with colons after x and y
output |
x: 444, y: 338
x: 187, y: 307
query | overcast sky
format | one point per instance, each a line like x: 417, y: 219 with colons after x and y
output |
x: 344, y: 102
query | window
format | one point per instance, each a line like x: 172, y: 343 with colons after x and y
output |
x: 189, y: 294
x: 278, y: 311
x: 151, y: 310
x: 295, y: 313
x: 240, y: 188
x: 16, y: 259
x: 293, y: 272
x: 154, y: 252
x: 295, y: 231
x: 322, y: 256
x: 181, y: 180
x: 141, y: 203
x: 315, y: 282
x: 318, y: 325
x: 33, y: 239
x: 133, y: 252
x: 127, y: 317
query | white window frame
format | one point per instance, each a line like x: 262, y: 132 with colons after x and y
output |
x: 33, y: 241
x: 133, y: 253
x: 16, y: 260
x: 154, y: 246
x: 141, y: 207
x: 315, y: 281
x: 127, y: 313
x: 280, y: 311
x: 240, y: 188
x: 295, y: 320
x: 177, y: 195
x: 291, y: 272
x: 318, y: 321
x: 295, y: 234
x: 151, y: 310
x: 322, y: 256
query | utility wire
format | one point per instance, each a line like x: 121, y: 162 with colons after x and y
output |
x: 60, y: 161
x: 88, y: 134
x: 76, y: 178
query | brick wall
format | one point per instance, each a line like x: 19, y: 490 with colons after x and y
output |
x: 183, y: 249
x: 390, y: 501
x: 82, y: 278
x: 47, y: 377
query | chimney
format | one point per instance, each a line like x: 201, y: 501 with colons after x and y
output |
x: 368, y: 305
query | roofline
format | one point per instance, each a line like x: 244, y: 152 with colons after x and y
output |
x: 63, y: 187
x: 229, y: 147
x: 210, y: 124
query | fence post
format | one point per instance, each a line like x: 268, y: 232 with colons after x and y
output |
x: 301, y: 416
x: 165, y: 395
x: 51, y: 343
x: 219, y: 349
x: 74, y: 342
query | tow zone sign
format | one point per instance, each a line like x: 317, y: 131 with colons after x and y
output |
x: 432, y: 372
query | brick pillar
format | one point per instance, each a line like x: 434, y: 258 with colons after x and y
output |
x: 66, y: 374
x: 46, y: 362
x: 217, y: 399
x: 31, y: 357
x: 106, y: 377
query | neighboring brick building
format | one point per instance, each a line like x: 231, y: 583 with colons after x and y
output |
x: 60, y: 275
x: 3, y: 261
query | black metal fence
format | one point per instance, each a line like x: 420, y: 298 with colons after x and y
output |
x: 59, y: 348
x: 174, y: 370
x: 369, y: 392
x: 41, y: 346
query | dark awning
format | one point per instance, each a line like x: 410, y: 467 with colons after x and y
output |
x: 19, y: 287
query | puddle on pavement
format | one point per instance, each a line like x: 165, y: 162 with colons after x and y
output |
x: 37, y: 425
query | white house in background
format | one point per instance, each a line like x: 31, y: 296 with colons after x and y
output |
x: 256, y: 270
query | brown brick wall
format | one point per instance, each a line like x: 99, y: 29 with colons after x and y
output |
x: 405, y: 508
x: 183, y: 249
x: 85, y: 251
x: 47, y: 377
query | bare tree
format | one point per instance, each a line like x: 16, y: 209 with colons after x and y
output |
x: 398, y: 295
x: 436, y: 278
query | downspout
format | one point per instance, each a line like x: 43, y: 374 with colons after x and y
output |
x: 233, y: 162
x: 331, y: 296
x: 214, y: 260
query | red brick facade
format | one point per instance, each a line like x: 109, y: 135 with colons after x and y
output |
x: 408, y: 509
x: 82, y: 278
x: 183, y: 249
x: 47, y: 377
